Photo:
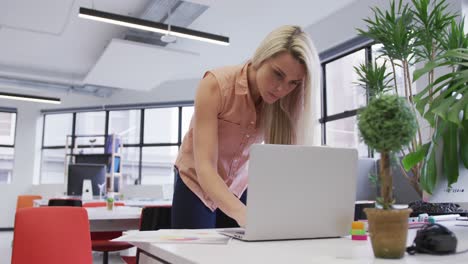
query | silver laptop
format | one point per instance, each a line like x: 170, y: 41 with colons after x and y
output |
x: 299, y: 192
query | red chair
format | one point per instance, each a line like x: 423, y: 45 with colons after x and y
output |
x: 100, y: 241
x: 152, y: 218
x: 52, y: 235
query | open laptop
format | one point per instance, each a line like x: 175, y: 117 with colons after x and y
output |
x: 298, y: 192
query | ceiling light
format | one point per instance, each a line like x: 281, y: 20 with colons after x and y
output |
x: 147, y: 25
x: 31, y: 98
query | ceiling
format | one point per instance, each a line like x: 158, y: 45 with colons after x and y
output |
x: 43, y: 44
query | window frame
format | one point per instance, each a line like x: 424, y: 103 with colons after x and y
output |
x: 334, y: 54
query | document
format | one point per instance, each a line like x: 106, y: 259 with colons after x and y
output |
x: 175, y: 236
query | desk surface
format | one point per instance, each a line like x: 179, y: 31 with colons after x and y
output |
x: 340, y: 250
x: 119, y: 212
x: 133, y: 203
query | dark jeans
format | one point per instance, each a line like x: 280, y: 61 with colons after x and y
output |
x: 189, y: 212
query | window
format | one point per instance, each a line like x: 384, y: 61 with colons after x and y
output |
x: 56, y: 127
x: 7, y: 145
x: 157, y: 165
x: 151, y: 139
x: 126, y: 124
x: 342, y: 97
x: 90, y: 123
x: 161, y: 125
x: 187, y: 113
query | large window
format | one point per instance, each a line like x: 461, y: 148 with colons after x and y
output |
x: 7, y: 145
x: 151, y: 139
x: 342, y: 97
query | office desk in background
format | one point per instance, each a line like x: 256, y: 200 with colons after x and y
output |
x: 131, y: 203
x: 122, y: 218
x: 339, y: 250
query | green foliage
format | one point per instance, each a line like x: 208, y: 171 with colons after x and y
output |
x: 425, y: 32
x: 430, y: 22
x: 373, y: 179
x: 385, y: 205
x: 410, y: 160
x: 393, y: 29
x: 387, y: 123
x: 455, y: 38
x: 374, y: 78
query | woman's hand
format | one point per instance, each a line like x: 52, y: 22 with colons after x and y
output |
x: 241, y: 216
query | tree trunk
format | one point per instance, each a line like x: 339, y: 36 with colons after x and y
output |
x: 386, y: 188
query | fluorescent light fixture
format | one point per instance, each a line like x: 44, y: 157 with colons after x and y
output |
x: 31, y: 98
x: 147, y: 25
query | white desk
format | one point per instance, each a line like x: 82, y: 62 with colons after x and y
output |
x: 133, y: 203
x: 122, y: 218
x: 341, y: 250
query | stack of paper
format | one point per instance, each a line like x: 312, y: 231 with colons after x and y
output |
x: 177, y: 236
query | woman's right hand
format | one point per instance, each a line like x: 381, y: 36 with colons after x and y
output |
x: 241, y: 216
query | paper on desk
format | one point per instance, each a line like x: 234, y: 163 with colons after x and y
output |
x: 175, y: 236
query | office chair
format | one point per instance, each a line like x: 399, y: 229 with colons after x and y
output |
x: 152, y: 218
x: 52, y: 235
x: 25, y: 201
x: 100, y: 241
x: 65, y: 202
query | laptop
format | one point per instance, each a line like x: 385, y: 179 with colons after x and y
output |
x: 298, y: 192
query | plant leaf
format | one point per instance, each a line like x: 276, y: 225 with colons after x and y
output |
x: 450, y: 153
x: 413, y: 158
x: 464, y: 142
x: 454, y: 112
x: 428, y: 177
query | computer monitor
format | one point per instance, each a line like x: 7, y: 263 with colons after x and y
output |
x: 99, y: 159
x: 79, y: 172
x: 365, y: 189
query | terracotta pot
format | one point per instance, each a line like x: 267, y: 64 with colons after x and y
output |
x: 388, y: 230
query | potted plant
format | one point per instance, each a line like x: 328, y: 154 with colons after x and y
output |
x: 387, y: 125
x: 427, y: 34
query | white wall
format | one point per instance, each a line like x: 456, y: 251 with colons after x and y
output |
x: 341, y: 25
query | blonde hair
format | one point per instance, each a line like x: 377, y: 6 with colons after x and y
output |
x: 294, y: 118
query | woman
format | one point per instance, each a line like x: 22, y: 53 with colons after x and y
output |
x: 268, y: 99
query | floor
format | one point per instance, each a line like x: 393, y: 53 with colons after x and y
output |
x: 6, y: 237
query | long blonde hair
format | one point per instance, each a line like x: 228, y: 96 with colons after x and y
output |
x: 294, y: 118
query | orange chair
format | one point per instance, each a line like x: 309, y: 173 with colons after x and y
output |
x: 101, y: 240
x: 25, y: 201
x: 101, y: 204
x: 52, y: 235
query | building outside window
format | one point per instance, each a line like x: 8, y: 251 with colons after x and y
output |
x: 7, y: 144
